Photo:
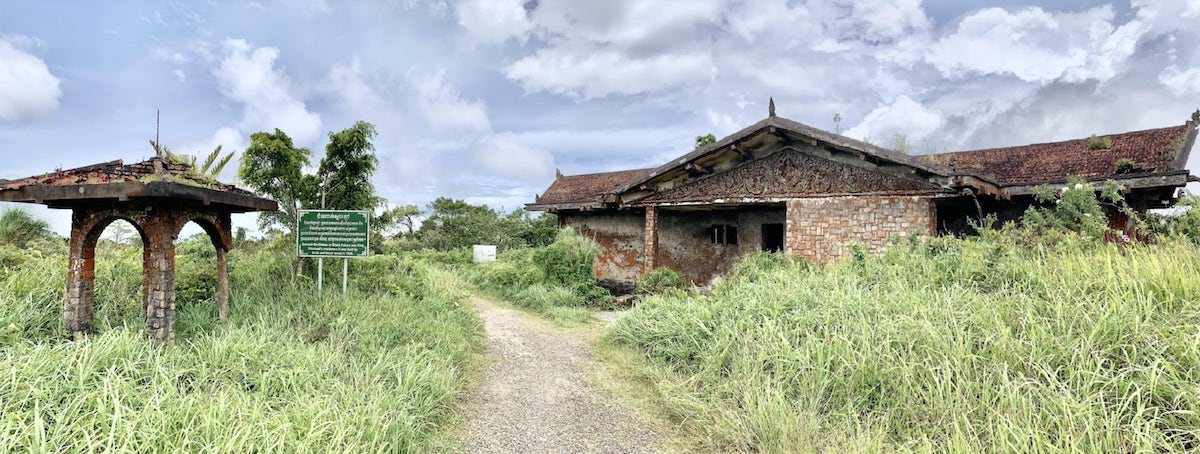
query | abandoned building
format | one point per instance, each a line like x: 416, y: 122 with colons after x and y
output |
x: 779, y: 185
x: 158, y: 197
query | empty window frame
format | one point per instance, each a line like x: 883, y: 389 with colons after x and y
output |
x: 724, y: 234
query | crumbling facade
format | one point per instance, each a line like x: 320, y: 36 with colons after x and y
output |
x: 158, y: 198
x: 779, y: 185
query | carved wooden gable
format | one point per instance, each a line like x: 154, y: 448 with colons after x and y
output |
x: 788, y: 173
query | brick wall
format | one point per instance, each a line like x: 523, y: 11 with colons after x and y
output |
x: 819, y: 228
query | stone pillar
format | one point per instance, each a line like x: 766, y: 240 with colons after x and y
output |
x: 159, y: 273
x: 651, y: 239
x: 222, y: 284
x: 81, y: 290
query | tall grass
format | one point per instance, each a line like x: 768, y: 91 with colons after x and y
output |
x: 940, y: 345
x: 555, y: 281
x: 376, y: 371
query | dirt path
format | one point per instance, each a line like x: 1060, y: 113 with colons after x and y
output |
x: 533, y: 396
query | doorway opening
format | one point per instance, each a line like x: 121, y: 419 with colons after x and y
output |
x: 772, y: 237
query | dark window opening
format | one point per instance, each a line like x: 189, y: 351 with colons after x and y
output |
x: 772, y: 237
x: 724, y: 234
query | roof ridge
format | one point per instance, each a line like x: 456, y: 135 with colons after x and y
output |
x: 608, y: 172
x: 1058, y: 142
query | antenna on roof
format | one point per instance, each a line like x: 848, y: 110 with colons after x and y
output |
x: 771, y: 107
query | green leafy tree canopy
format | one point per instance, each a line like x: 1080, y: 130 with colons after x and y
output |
x: 272, y: 165
x: 345, y: 171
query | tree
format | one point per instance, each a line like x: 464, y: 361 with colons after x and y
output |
x: 455, y: 223
x: 345, y: 171
x: 19, y: 228
x: 273, y: 166
x: 404, y: 216
x: 705, y: 140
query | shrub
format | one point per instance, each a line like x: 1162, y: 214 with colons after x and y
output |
x: 1126, y: 165
x: 661, y: 279
x: 1099, y: 143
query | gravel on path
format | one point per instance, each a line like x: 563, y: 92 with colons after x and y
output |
x: 533, y: 396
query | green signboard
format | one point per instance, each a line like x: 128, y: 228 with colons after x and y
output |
x: 331, y: 233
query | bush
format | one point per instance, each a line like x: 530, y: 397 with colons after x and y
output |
x: 534, y: 277
x: 661, y: 279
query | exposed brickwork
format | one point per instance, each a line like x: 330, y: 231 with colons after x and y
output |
x: 622, y: 239
x: 819, y: 228
x: 158, y: 227
x: 117, y: 172
x: 651, y: 239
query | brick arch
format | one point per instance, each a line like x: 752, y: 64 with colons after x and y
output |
x: 158, y: 226
x: 218, y: 227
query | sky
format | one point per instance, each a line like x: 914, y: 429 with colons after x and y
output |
x: 483, y: 100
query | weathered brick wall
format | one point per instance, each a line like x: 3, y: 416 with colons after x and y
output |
x: 622, y: 240
x: 685, y: 241
x: 818, y: 228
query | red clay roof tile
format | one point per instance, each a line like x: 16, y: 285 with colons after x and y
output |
x: 1153, y: 151
x: 589, y: 187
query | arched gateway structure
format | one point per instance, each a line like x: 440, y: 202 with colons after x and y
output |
x: 158, y: 197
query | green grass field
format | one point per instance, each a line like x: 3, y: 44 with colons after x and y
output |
x: 377, y: 371
x: 993, y: 344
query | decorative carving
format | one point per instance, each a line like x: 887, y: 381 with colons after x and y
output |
x: 787, y: 173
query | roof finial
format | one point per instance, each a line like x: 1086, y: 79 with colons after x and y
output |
x: 771, y: 107
x: 1196, y: 116
x: 557, y: 174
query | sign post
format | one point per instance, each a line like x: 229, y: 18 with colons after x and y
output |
x: 333, y: 233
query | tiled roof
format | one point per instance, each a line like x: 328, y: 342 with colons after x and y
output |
x: 1154, y: 151
x: 588, y: 188
x: 117, y: 172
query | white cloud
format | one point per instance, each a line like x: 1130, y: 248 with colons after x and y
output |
x: 904, y: 117
x: 180, y: 75
x: 1030, y: 44
x: 493, y: 21
x: 500, y: 155
x: 1181, y: 82
x: 602, y: 72
x: 27, y: 88
x: 248, y: 75
x: 445, y: 109
x: 169, y: 56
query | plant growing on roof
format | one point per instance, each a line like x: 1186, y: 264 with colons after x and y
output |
x: 705, y: 140
x: 1126, y: 165
x: 213, y: 164
x: 1099, y: 143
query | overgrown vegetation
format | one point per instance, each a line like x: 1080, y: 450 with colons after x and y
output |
x: 1099, y: 143
x: 554, y: 280
x: 988, y: 344
x: 376, y: 371
x: 1038, y: 338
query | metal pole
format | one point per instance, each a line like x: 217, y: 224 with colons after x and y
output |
x: 345, y: 269
x: 321, y: 260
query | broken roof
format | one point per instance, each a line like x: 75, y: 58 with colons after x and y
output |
x: 154, y: 178
x: 1152, y: 153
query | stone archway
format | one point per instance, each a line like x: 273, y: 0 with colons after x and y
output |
x: 158, y: 196
x: 158, y: 226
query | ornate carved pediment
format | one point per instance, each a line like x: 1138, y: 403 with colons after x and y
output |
x: 788, y: 173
